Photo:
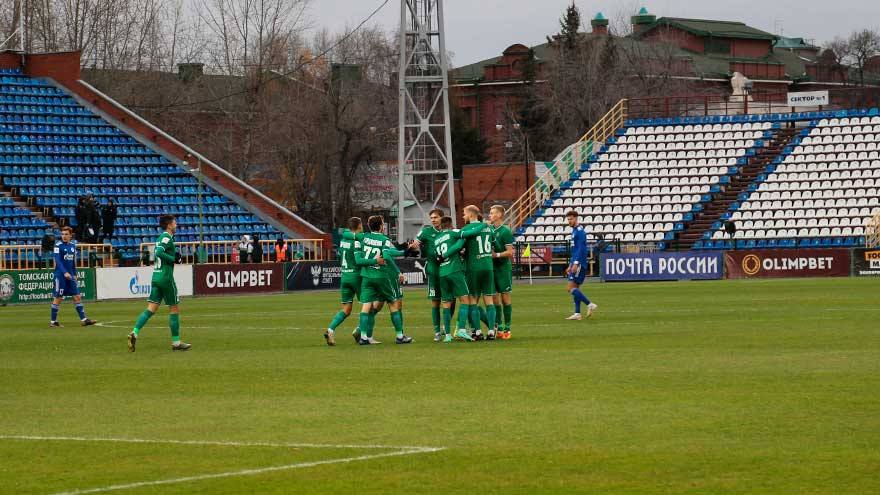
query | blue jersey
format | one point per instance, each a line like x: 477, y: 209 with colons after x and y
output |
x: 65, y: 259
x: 579, y: 251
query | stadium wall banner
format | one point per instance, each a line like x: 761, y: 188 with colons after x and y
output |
x: 781, y: 263
x: 236, y: 279
x: 327, y: 274
x: 685, y: 265
x: 866, y: 262
x: 134, y: 282
x: 29, y: 286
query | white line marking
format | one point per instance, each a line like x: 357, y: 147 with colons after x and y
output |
x: 243, y: 472
x: 399, y: 451
x: 217, y: 443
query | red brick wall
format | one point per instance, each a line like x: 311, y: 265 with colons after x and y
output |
x: 758, y: 70
x: 749, y: 48
x: 62, y: 66
x: 485, y: 185
x: 10, y: 60
x: 677, y: 37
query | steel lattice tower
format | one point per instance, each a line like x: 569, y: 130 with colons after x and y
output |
x: 424, y: 134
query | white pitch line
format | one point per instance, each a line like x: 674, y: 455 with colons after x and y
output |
x: 218, y: 443
x: 243, y: 472
x: 397, y: 451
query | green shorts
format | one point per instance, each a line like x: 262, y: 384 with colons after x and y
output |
x: 377, y: 290
x: 481, y: 283
x: 349, y: 288
x: 434, y: 292
x: 398, y: 289
x: 453, y: 286
x: 503, y: 280
x: 166, y: 293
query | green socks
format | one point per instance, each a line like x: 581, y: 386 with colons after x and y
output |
x: 447, y: 320
x: 498, y: 313
x: 484, y: 317
x: 364, y: 324
x: 435, y: 318
x: 475, y: 316
x: 174, y: 323
x: 141, y: 321
x: 397, y: 321
x: 463, y: 316
x: 371, y: 323
x: 508, y: 312
x: 490, y: 317
x: 338, y: 319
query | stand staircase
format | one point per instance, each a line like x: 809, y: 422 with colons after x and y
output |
x: 739, y: 183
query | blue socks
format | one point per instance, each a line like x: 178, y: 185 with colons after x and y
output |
x: 579, y: 298
x: 81, y: 311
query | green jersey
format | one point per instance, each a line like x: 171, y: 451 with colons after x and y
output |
x: 447, y: 245
x: 502, y: 237
x: 372, y: 246
x: 389, y: 252
x: 348, y: 244
x: 426, y: 238
x: 479, y: 246
x: 163, y: 267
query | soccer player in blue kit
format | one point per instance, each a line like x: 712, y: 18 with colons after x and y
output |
x: 576, y: 271
x: 65, y: 278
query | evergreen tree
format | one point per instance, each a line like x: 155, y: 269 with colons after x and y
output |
x: 571, y: 25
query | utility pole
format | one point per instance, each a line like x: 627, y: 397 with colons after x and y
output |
x: 424, y: 151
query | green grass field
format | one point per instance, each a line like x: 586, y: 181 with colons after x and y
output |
x: 752, y: 387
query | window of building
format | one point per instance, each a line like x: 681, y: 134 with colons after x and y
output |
x: 719, y: 46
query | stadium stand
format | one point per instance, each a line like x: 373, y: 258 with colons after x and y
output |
x: 53, y: 150
x: 787, y: 180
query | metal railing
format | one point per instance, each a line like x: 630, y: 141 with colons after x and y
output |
x: 565, y: 165
x: 756, y: 103
x: 32, y: 257
x: 872, y: 232
x: 225, y: 252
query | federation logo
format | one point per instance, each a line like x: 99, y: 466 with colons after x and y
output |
x: 751, y: 265
x: 316, y: 274
x: 7, y: 286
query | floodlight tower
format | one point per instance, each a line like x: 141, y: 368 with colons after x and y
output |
x: 424, y: 149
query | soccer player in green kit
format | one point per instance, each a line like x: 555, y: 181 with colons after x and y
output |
x: 350, y: 283
x: 376, y: 285
x: 502, y: 254
x: 425, y: 240
x: 480, y: 269
x: 163, y: 287
x: 452, y: 282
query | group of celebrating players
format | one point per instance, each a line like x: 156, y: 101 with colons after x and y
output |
x: 464, y: 267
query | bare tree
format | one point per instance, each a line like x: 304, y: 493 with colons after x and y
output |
x: 856, y: 50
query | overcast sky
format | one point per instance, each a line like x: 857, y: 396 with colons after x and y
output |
x: 479, y: 29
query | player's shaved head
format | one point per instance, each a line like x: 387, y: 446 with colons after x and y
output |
x: 375, y: 222
x: 354, y: 223
x: 473, y: 210
x: 446, y: 223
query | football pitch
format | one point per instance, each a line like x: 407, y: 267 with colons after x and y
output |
x: 729, y: 387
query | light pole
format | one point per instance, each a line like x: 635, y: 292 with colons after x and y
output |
x: 526, y: 150
x: 198, y: 173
